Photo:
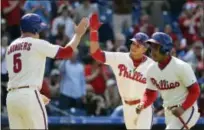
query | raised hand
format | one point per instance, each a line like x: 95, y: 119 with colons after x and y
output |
x: 94, y: 26
x: 82, y: 27
x: 94, y: 22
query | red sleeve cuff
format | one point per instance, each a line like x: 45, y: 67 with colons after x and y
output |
x: 193, y: 94
x: 64, y: 52
x: 99, y: 55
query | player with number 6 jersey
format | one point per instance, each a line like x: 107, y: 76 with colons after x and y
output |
x: 25, y: 58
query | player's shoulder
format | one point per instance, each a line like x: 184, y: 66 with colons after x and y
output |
x: 179, y: 63
x: 124, y: 56
x: 35, y: 40
x: 39, y: 43
x: 150, y: 60
x: 15, y: 42
x: 29, y: 39
x: 151, y: 67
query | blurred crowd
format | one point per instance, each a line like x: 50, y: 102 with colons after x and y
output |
x: 81, y: 85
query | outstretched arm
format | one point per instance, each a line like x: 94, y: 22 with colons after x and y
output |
x: 67, y: 51
x: 95, y: 50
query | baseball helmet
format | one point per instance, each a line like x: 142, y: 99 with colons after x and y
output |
x: 140, y: 38
x: 162, y: 39
x: 32, y: 23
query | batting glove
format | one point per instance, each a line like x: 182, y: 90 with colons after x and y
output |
x: 94, y: 22
x: 94, y: 26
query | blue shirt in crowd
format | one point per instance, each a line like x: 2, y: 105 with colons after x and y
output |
x: 40, y: 6
x: 73, y: 82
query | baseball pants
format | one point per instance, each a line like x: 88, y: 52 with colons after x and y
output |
x: 26, y: 109
x: 135, y: 121
x: 190, y: 117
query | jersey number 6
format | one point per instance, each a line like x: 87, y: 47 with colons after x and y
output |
x: 17, y: 64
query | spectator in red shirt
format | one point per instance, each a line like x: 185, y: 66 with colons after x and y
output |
x: 145, y: 26
x: 189, y: 22
x: 96, y: 76
x: 12, y: 12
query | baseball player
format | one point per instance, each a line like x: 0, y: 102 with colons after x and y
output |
x: 130, y: 71
x: 176, y: 82
x: 26, y: 58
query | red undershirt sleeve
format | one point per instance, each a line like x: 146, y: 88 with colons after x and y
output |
x: 99, y: 55
x: 64, y: 52
x: 193, y: 94
x: 149, y: 97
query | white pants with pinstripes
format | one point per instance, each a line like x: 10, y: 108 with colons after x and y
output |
x: 26, y: 109
x: 144, y: 119
x: 190, y: 117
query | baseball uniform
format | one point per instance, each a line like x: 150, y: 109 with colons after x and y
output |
x: 131, y: 83
x: 26, y: 65
x: 172, y: 82
x: 130, y: 74
x: 26, y: 57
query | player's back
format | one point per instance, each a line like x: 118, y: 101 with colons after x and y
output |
x: 26, y: 62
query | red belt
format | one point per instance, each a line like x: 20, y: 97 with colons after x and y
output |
x: 132, y: 102
x: 18, y: 88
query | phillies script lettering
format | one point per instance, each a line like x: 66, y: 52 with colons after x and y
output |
x: 133, y: 75
x: 163, y: 84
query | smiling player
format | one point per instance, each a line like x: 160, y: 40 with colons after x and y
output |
x: 176, y: 82
x: 130, y: 71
